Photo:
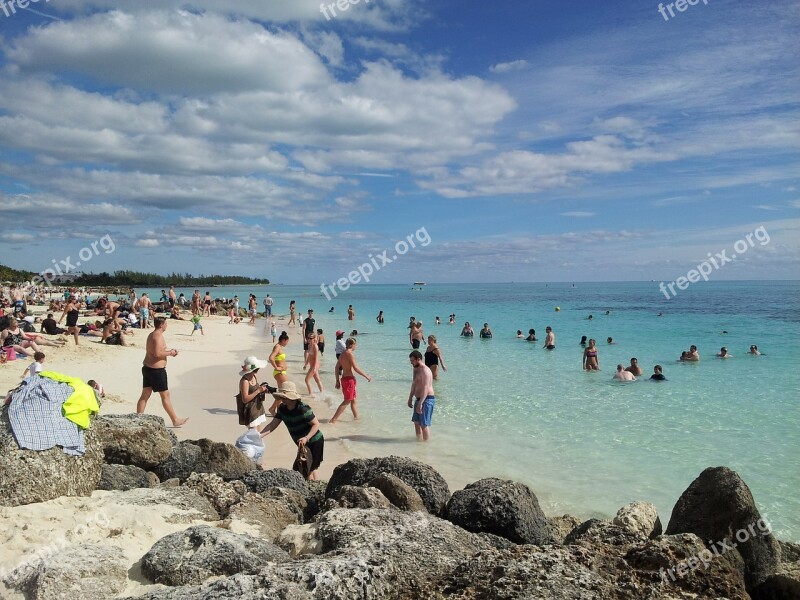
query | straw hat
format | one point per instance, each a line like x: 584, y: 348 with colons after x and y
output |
x: 288, y: 391
x: 251, y: 363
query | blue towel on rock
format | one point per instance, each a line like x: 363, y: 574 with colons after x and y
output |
x: 37, y: 420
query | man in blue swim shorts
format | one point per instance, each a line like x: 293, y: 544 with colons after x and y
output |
x: 421, y: 398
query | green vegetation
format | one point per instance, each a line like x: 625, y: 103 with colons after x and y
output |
x: 151, y: 280
x: 9, y: 274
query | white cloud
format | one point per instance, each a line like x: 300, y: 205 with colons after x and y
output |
x: 515, y: 65
x: 147, y: 243
x: 580, y: 214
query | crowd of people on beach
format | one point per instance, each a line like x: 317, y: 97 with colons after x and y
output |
x: 114, y: 321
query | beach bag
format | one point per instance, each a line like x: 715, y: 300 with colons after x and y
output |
x: 302, y: 464
x: 251, y: 411
x: 11, y: 354
x: 251, y: 445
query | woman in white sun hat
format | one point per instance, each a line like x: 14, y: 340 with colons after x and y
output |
x: 250, y: 407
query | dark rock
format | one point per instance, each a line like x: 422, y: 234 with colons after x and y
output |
x: 259, y: 481
x: 199, y: 552
x: 681, y: 565
x: 79, y: 571
x: 315, y: 497
x: 122, y: 477
x: 28, y: 476
x: 181, y: 463
x: 719, y: 508
x: 399, y: 493
x: 505, y: 508
x: 428, y: 483
x: 597, y: 531
x: 226, y: 460
x: 134, y: 439
x: 350, y: 496
x: 641, y: 517
x: 777, y: 587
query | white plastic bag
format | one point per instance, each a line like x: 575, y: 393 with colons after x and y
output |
x: 251, y: 445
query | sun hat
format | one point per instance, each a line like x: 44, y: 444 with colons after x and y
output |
x: 251, y: 363
x: 288, y: 391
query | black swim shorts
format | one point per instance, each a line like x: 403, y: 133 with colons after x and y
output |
x: 154, y: 378
x: 415, y: 344
x: 316, y: 452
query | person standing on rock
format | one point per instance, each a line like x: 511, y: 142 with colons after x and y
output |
x: 154, y: 371
x: 422, y: 391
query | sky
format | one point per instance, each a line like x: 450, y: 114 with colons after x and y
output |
x: 518, y: 140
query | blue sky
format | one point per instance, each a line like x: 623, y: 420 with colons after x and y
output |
x: 533, y: 141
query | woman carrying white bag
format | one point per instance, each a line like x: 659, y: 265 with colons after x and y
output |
x: 250, y: 407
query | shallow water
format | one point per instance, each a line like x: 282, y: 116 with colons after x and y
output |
x: 584, y: 444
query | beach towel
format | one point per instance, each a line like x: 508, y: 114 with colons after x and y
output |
x: 36, y: 418
x: 81, y: 403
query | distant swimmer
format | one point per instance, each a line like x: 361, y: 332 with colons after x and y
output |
x: 351, y: 313
x: 589, y: 318
x: 634, y: 367
x: 453, y: 319
x: 754, y: 350
x: 691, y: 356
x: 520, y: 334
x: 623, y: 375
x: 610, y: 340
x: 467, y: 331
x: 438, y: 321
x: 379, y: 318
x: 583, y: 341
x: 660, y: 314
x: 608, y: 312
x: 549, y: 339
x: 658, y: 374
x: 723, y: 353
x: 531, y: 335
x: 331, y: 309
x: 416, y: 336
x: 486, y: 332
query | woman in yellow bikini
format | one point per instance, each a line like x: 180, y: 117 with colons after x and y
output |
x: 278, y: 361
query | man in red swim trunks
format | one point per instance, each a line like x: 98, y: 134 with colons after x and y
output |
x: 347, y: 383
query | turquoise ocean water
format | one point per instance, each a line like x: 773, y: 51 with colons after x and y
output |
x: 584, y: 444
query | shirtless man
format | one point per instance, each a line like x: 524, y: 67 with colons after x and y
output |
x: 634, y: 368
x: 143, y: 306
x: 351, y: 313
x: 416, y: 335
x: 422, y: 390
x: 154, y: 371
x: 17, y: 298
x: 550, y: 339
x: 347, y: 366
x: 691, y: 356
x: 623, y: 375
x: 172, y: 297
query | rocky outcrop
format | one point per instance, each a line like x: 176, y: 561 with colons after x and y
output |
x: 597, y: 531
x: 505, y: 508
x: 777, y: 587
x: 399, y: 493
x: 221, y: 494
x: 428, y: 483
x: 134, y: 439
x: 192, y: 505
x: 204, y: 456
x: 122, y: 477
x: 719, y: 508
x: 180, y: 463
x: 200, y: 552
x: 641, y: 517
x: 350, y: 496
x: 290, y: 499
x: 259, y: 481
x: 260, y: 516
x: 562, y: 526
x: 81, y: 571
x: 28, y: 476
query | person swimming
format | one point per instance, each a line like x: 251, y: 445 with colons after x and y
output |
x: 754, y: 351
x: 531, y: 335
x: 583, y: 340
x: 723, y: 353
